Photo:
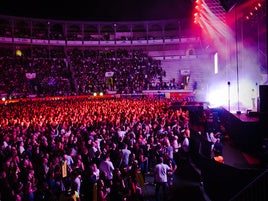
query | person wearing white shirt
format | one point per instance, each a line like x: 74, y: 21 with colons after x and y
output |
x: 161, y: 178
x: 125, y: 152
x: 107, y: 167
x: 185, y: 144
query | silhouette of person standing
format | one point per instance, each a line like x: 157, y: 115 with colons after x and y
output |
x: 161, y: 178
x: 253, y: 99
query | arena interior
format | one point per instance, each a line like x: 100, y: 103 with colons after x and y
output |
x: 74, y: 92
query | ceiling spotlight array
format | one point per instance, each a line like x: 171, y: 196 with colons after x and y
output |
x: 197, y: 11
x: 254, y: 9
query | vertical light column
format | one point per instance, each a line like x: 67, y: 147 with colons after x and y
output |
x: 216, y: 63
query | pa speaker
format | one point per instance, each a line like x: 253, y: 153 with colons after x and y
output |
x: 263, y: 92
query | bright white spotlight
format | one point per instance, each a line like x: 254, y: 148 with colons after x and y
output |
x: 216, y: 63
x: 101, y: 93
x: 94, y: 94
x: 216, y: 96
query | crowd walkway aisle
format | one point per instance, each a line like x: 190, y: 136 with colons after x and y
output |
x: 187, y: 185
x: 187, y: 182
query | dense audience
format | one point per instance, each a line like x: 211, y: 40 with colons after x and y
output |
x: 21, y: 77
x: 85, y: 148
x: 42, y: 72
x: 132, y: 71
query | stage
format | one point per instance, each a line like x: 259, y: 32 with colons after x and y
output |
x: 244, y: 129
x: 247, y: 117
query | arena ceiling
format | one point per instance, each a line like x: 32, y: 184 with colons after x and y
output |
x: 102, y: 10
x: 99, y: 10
